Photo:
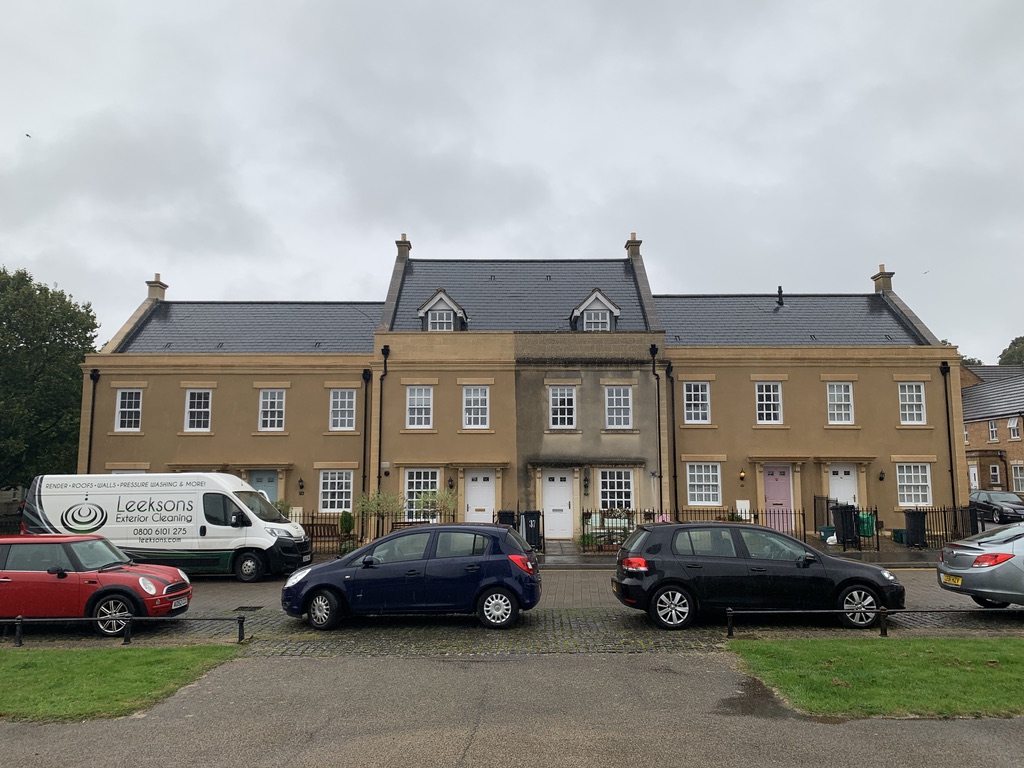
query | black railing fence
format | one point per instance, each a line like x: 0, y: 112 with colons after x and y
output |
x: 831, y: 523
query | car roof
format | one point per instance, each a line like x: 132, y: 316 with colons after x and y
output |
x: 60, y: 538
x: 705, y: 523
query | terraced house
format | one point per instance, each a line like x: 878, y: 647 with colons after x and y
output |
x: 562, y: 386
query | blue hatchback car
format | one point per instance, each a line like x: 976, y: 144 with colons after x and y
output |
x: 484, y: 569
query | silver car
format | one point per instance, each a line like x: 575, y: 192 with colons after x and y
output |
x: 987, y: 567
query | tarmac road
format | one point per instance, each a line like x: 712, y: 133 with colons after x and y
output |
x: 582, y: 681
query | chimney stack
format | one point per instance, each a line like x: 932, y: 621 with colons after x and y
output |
x: 157, y: 288
x: 883, y: 280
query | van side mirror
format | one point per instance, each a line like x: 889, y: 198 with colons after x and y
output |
x: 238, y: 520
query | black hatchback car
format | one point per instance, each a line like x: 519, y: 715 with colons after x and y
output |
x: 676, y: 570
x: 489, y: 570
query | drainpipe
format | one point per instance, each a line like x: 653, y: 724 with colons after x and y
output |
x: 94, y: 377
x: 672, y: 435
x: 367, y: 393
x: 386, y: 352
x: 944, y: 370
x: 657, y: 384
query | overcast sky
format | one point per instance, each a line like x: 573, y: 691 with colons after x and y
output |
x: 276, y: 150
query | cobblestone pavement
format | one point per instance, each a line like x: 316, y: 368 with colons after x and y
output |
x: 577, y: 614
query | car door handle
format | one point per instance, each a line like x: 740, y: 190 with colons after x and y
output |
x: 4, y: 579
x: 412, y: 572
x: 694, y: 565
x: 759, y: 570
x: 472, y: 568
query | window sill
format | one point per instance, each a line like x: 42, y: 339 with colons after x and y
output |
x: 424, y: 431
x: 196, y: 433
x: 915, y: 426
x: 842, y: 426
x: 269, y: 433
x: 620, y: 431
x: 771, y: 426
x: 567, y: 431
x: 697, y: 425
x: 481, y: 431
x: 127, y: 433
x: 340, y: 432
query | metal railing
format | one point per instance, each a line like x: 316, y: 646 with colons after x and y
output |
x: 19, y: 622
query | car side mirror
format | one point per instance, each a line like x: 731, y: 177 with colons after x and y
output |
x: 368, y: 561
x: 56, y: 570
x: 807, y: 559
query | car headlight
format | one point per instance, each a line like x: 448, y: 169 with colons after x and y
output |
x: 296, y: 577
x: 148, y: 586
x: 184, y: 576
x: 280, y: 533
x: 888, y: 575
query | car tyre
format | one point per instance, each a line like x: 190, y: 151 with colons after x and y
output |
x: 672, y: 607
x: 984, y: 602
x: 112, y: 613
x: 497, y: 608
x: 859, y: 604
x: 324, y: 611
x: 997, y: 517
x: 249, y: 567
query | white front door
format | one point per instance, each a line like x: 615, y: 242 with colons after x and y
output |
x: 842, y: 483
x: 557, y: 490
x: 480, y: 496
x: 972, y: 470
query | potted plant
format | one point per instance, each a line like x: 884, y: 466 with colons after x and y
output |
x: 587, y: 542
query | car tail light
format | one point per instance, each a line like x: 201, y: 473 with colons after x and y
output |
x: 634, y: 564
x: 523, y: 562
x: 987, y: 561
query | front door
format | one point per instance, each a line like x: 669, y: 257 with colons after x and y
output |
x: 264, y: 480
x: 972, y: 471
x: 842, y: 483
x: 557, y: 490
x: 778, y: 496
x: 480, y: 496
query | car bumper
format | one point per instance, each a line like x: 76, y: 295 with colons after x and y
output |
x: 630, y: 592
x: 894, y: 596
x: 168, y: 605
x: 1000, y: 584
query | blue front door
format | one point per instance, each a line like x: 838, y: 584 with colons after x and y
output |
x: 264, y: 480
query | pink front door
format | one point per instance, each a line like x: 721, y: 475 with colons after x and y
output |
x: 778, y: 496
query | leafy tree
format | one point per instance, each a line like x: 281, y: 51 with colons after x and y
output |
x: 970, y: 361
x: 1013, y: 354
x: 44, y: 337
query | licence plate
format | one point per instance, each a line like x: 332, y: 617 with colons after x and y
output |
x: 956, y: 581
x: 307, y: 558
x: 615, y: 587
x: 181, y: 602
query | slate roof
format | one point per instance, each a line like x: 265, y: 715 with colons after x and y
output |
x: 989, y: 373
x: 1003, y: 397
x: 514, y: 295
x: 815, y: 320
x: 286, y: 327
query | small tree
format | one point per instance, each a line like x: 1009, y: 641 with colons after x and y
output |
x: 380, y: 504
x: 440, y: 503
x: 1014, y: 353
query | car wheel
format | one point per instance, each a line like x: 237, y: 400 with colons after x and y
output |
x: 859, y: 603
x: 672, y: 607
x: 984, y: 602
x: 324, y: 610
x: 997, y: 517
x: 249, y: 567
x: 112, y: 613
x: 497, y: 609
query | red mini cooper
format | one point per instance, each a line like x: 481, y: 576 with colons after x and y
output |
x: 55, y: 576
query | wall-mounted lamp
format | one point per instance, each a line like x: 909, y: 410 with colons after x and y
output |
x: 302, y: 486
x: 451, y: 484
x: 743, y: 475
x: 586, y: 482
x: 881, y: 475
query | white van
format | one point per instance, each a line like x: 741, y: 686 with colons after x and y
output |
x: 201, y: 522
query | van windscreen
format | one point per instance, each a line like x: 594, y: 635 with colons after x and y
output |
x: 260, y: 507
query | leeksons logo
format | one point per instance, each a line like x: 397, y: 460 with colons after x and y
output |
x: 150, y: 510
x: 83, y: 518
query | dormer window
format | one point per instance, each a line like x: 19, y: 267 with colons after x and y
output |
x: 441, y: 313
x: 597, y: 320
x: 595, y: 313
x: 440, y: 320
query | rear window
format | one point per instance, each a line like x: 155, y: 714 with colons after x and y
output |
x: 635, y: 541
x: 1001, y: 535
x: 518, y: 541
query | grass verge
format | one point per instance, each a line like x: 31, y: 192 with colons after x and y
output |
x: 58, y: 685
x: 882, y: 677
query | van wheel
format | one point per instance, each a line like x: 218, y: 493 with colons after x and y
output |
x: 112, y: 613
x: 324, y: 610
x: 249, y: 567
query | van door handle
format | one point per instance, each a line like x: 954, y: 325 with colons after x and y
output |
x: 202, y: 530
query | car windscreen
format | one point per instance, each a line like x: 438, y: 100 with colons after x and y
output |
x: 517, y: 541
x: 94, y: 554
x: 1006, y: 497
x: 635, y: 541
x: 260, y: 507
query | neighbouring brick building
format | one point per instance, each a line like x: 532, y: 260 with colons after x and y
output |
x: 993, y: 407
x: 563, y: 386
